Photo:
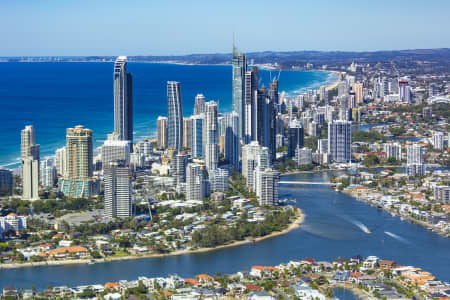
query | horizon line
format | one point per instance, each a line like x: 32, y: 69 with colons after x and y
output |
x: 230, y: 53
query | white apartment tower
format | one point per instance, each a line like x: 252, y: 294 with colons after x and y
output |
x: 30, y: 164
x: 340, y: 141
x: 438, y: 140
x: 194, y: 182
x: 60, y: 161
x: 267, y: 190
x: 117, y: 179
x: 162, y: 124
x: 211, y: 136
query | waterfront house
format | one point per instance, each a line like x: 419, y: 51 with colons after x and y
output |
x: 205, y: 278
x: 192, y: 281
x: 367, y: 280
x: 259, y: 295
x: 63, y: 252
x: 112, y: 286
x: 387, y: 264
x: 341, y: 276
x: 113, y: 296
x: 28, y: 294
x: 357, y: 259
x: 354, y: 277
x: 252, y: 287
x: 236, y: 288
x: 261, y: 271
x: 305, y: 292
x: 10, y: 291
x: 370, y: 262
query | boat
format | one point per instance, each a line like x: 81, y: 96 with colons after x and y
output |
x: 91, y: 262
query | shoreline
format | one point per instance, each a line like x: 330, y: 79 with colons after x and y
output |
x: 397, y: 214
x: 300, y: 217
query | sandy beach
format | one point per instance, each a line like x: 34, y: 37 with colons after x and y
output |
x: 300, y: 217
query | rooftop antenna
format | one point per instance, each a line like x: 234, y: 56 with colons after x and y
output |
x: 234, y: 47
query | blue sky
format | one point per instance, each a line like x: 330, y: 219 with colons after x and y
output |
x: 159, y: 27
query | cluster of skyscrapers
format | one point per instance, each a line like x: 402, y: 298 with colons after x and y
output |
x: 74, y: 163
x: 202, y: 150
x: 208, y: 136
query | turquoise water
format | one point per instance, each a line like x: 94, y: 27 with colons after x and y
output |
x: 329, y: 231
x: 55, y: 96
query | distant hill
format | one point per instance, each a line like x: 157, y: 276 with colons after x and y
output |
x: 284, y: 59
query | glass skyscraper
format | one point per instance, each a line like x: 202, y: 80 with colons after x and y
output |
x: 175, y: 113
x: 123, y: 100
x: 239, y: 70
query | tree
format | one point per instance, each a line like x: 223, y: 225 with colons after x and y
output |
x: 371, y: 160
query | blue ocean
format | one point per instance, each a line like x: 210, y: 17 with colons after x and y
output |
x: 53, y: 96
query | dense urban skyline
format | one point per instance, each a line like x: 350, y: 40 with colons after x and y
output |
x: 225, y: 151
x: 77, y: 28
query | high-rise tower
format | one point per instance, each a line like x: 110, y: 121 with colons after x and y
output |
x: 340, y: 141
x: 30, y: 164
x: 117, y: 180
x: 175, y: 113
x: 239, y: 69
x: 162, y: 124
x: 78, y: 181
x: 123, y: 100
x: 199, y: 106
x: 231, y: 151
x: 251, y: 87
x: 212, y: 136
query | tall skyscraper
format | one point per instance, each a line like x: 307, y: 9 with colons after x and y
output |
x: 414, y: 160
x: 239, y: 64
x: 405, y: 91
x: 47, y: 173
x: 267, y: 189
x: 212, y: 136
x: 264, y: 120
x: 178, y: 168
x: 255, y: 158
x: 295, y: 137
x: 251, y: 87
x: 438, y: 140
x: 199, y: 106
x: 162, y: 124
x: 195, y: 184
x: 78, y: 181
x: 123, y: 100
x: 324, y: 95
x: 393, y: 150
x: 187, y: 132
x: 197, y: 122
x: 114, y: 150
x: 30, y: 164
x: 117, y: 179
x: 6, y: 182
x: 358, y: 90
x: 414, y: 154
x: 219, y: 180
x: 60, y: 161
x: 273, y: 93
x: 175, y: 113
x: 340, y: 141
x: 231, y: 152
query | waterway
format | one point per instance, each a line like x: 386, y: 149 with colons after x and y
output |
x: 332, y: 228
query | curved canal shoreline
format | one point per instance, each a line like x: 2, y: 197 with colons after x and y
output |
x: 300, y: 217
